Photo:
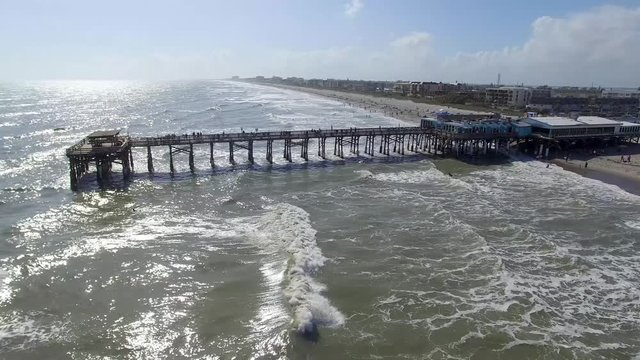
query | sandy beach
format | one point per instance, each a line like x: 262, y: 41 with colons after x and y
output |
x: 405, y: 110
x: 610, y: 166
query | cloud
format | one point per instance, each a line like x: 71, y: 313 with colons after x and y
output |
x: 407, y: 57
x: 415, y: 39
x: 353, y: 7
x: 601, y: 45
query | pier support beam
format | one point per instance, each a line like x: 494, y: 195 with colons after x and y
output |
x: 73, y: 175
x: 287, y: 150
x: 304, y: 151
x: 321, y: 147
x: 126, y: 166
x: 338, y: 148
x: 250, y: 151
x: 270, y: 151
x: 131, y: 158
x: 172, y: 170
x: 191, y: 162
x: 211, y: 162
x: 231, y: 160
x: 149, y: 159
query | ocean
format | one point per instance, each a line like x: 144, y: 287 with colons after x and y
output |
x: 388, y: 258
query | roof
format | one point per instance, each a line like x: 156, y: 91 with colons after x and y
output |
x: 621, y: 91
x: 521, y: 124
x: 555, y: 121
x: 457, y: 124
x: 628, y: 124
x: 514, y: 88
x: 508, y: 88
x: 103, y: 133
x: 596, y: 120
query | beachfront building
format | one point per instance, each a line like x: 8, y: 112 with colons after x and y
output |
x: 621, y: 93
x: 553, y: 132
x: 555, y: 127
x: 583, y: 127
x: 479, y: 125
x: 513, y: 96
x: 402, y: 88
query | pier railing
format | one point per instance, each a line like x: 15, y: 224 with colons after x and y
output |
x: 187, y: 139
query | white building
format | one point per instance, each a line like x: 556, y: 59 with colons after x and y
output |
x: 554, y: 127
x: 620, y: 93
x: 513, y: 96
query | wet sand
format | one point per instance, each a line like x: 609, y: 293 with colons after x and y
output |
x: 608, y: 166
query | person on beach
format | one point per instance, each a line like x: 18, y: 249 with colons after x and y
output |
x: 628, y: 158
x: 586, y: 163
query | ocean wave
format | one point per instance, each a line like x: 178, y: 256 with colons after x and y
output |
x: 364, y: 174
x: 548, y: 181
x: 19, y: 113
x: 288, y: 227
x: 428, y: 176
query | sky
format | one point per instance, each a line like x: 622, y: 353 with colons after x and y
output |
x: 552, y: 42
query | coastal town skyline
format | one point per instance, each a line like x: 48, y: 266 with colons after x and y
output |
x: 546, y: 43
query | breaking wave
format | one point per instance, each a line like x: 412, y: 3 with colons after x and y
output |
x: 288, y: 228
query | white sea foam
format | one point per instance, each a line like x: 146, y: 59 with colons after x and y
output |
x: 363, y: 174
x: 634, y: 224
x: 429, y: 176
x: 24, y: 331
x: 5, y: 292
x: 19, y: 113
x: 288, y: 228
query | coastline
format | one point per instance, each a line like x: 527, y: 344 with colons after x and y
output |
x: 607, y: 167
x: 405, y: 110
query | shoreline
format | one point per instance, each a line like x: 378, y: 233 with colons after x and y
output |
x: 600, y: 169
x: 606, y: 168
x: 404, y: 110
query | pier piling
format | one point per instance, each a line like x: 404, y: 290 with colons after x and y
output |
x: 149, y: 160
x: 171, y: 168
x: 192, y: 167
x: 250, y: 151
x: 211, y: 161
x: 231, y: 160
x: 270, y: 151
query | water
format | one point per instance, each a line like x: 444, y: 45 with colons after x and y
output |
x: 388, y: 259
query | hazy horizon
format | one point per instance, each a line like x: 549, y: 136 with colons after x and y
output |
x: 557, y: 44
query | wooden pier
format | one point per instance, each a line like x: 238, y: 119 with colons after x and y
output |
x: 103, y: 148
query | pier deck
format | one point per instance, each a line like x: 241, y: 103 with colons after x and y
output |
x: 107, y: 147
x: 301, y: 134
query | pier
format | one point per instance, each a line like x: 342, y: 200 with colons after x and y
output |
x: 104, y: 148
